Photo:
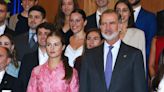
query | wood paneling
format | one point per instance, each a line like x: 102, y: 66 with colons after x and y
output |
x: 90, y: 7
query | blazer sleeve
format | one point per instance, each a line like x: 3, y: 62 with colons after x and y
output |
x: 83, y: 75
x: 139, y: 73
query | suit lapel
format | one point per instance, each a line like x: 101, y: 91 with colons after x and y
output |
x: 7, y: 82
x: 100, y: 64
x: 121, y: 58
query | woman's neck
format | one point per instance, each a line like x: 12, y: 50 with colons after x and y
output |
x: 24, y: 14
x: 53, y: 62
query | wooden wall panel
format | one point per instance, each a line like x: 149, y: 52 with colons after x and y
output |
x: 90, y: 7
x: 153, y: 5
x: 51, y: 7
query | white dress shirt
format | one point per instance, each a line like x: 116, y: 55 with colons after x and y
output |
x: 115, y: 49
x: 136, y: 12
x: 43, y: 57
x: 161, y: 86
x: 2, y: 29
x: 1, y: 75
x: 72, y: 54
x: 98, y: 14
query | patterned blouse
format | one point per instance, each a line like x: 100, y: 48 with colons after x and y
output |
x: 44, y: 79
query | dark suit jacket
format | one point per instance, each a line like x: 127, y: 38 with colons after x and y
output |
x: 7, y: 83
x: 128, y: 74
x: 29, y: 61
x: 22, y: 45
x: 146, y: 21
x: 91, y: 22
x: 9, y: 31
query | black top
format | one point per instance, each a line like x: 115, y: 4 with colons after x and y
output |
x: 67, y: 36
x: 22, y: 25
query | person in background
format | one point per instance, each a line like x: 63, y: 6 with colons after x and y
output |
x: 93, y: 19
x: 19, y: 22
x: 38, y: 57
x: 27, y: 42
x: 6, y: 40
x: 146, y: 21
x: 8, y: 83
x: 55, y: 75
x: 77, y: 23
x: 128, y: 33
x: 3, y: 14
x: 158, y: 80
x: 65, y: 7
x: 157, y: 45
x: 93, y: 39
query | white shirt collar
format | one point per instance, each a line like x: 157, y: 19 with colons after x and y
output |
x: 136, y: 12
x: 43, y: 57
x: 115, y: 50
x: 1, y: 75
x: 98, y: 18
x: 2, y: 29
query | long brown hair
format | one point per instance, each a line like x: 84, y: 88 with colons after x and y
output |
x: 60, y: 17
x: 67, y: 68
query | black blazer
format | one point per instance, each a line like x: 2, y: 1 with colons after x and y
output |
x: 91, y: 22
x: 9, y: 31
x: 7, y: 83
x: 128, y: 74
x: 22, y: 45
x: 29, y: 61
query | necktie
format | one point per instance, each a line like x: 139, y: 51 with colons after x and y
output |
x: 108, y: 69
x: 32, y: 41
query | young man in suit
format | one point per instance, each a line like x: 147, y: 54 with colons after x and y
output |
x: 3, y: 13
x: 93, y: 20
x: 38, y: 57
x: 146, y: 21
x: 27, y: 42
x: 7, y: 82
x: 116, y: 67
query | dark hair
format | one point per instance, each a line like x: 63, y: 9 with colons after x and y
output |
x: 60, y: 17
x: 109, y: 11
x: 39, y: 9
x: 160, y: 73
x: 160, y: 23
x: 45, y: 25
x: 81, y: 12
x: 131, y: 18
x: 67, y: 68
x: 13, y: 54
x: 2, y: 2
x: 97, y: 30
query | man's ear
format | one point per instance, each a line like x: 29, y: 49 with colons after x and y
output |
x: 8, y: 60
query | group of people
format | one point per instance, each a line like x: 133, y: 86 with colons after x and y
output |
x: 107, y: 51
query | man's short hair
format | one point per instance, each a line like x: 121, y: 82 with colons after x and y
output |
x: 39, y: 9
x: 109, y: 11
x: 2, y: 2
x: 46, y: 25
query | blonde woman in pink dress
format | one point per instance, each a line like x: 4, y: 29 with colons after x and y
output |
x: 56, y: 75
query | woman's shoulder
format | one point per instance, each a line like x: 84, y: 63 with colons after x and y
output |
x: 135, y: 31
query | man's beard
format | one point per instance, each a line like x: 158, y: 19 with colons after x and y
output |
x: 110, y: 37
